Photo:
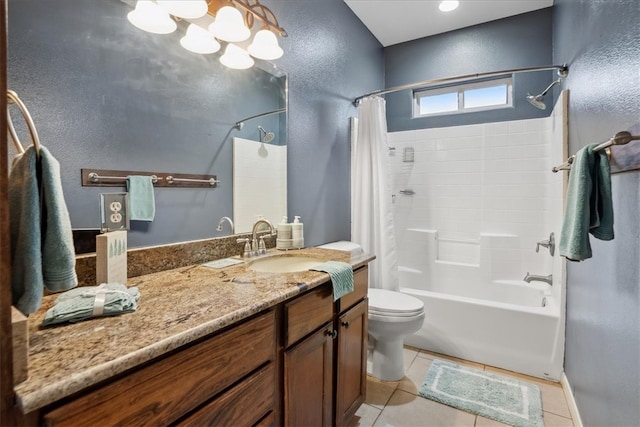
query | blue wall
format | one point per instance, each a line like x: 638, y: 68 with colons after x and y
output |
x: 601, y: 42
x: 514, y: 42
x: 109, y: 96
x: 330, y: 58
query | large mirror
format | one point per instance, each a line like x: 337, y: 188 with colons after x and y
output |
x: 107, y: 95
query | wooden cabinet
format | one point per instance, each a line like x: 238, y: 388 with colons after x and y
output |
x: 351, y: 362
x: 302, y: 362
x: 164, y: 391
x: 325, y: 373
x: 308, y: 384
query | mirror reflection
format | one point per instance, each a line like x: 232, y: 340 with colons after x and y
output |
x: 106, y: 95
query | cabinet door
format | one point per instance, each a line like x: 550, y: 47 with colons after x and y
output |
x: 308, y: 372
x: 351, y: 362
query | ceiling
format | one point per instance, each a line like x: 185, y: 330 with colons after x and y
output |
x: 397, y: 21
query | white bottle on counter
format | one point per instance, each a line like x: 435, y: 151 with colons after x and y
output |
x: 283, y: 240
x: 297, y: 233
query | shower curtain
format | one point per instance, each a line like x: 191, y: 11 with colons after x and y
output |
x: 371, y: 211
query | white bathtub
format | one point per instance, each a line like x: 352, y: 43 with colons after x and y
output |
x: 509, y: 324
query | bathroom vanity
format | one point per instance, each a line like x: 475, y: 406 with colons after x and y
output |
x: 208, y: 346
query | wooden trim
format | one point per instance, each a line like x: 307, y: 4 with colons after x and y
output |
x: 6, y: 344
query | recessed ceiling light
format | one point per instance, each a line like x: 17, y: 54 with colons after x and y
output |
x: 448, y: 5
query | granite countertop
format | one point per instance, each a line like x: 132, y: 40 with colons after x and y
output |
x: 176, y: 307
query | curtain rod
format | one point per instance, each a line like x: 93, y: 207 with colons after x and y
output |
x: 563, y: 70
x: 239, y: 124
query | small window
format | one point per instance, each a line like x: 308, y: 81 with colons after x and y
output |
x: 463, y: 98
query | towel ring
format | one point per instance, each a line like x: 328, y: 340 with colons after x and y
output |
x: 14, y: 98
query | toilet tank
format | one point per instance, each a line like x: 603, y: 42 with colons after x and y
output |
x: 353, y: 248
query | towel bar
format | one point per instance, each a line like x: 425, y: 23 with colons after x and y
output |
x: 620, y: 138
x: 114, y: 178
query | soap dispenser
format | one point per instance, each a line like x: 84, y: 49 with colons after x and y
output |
x: 297, y: 233
x: 283, y: 240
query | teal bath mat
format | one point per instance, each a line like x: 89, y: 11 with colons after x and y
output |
x: 497, y: 397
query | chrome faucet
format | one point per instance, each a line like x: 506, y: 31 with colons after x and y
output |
x: 535, y: 278
x: 550, y: 244
x: 251, y: 246
x: 221, y: 222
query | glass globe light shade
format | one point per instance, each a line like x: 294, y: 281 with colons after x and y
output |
x: 150, y: 17
x: 188, y: 9
x: 448, y: 5
x: 265, y: 46
x: 199, y: 40
x: 236, y: 57
x: 229, y: 25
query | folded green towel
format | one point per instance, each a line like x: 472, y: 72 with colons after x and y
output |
x: 341, y: 275
x: 42, y: 250
x: 589, y: 208
x: 108, y: 299
x: 142, y: 204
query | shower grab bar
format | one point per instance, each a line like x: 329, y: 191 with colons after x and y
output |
x: 620, y: 138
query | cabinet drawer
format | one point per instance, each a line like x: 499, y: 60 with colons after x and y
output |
x: 244, y: 405
x: 160, y: 393
x: 307, y: 313
x: 360, y: 289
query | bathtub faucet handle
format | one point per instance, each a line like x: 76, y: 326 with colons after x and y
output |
x: 550, y: 244
x: 536, y: 278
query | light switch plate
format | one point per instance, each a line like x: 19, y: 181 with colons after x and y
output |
x: 114, y: 211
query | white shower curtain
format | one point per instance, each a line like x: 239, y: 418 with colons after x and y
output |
x: 371, y: 211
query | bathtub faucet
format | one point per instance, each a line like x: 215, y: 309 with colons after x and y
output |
x: 535, y: 278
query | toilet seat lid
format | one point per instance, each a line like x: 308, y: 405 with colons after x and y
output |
x: 385, y: 301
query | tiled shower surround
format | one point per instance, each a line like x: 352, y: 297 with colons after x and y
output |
x: 490, y: 179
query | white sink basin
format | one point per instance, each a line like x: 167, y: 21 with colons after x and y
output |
x: 284, y: 264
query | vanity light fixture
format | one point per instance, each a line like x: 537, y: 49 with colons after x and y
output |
x: 185, y: 9
x: 150, y: 17
x: 448, y: 5
x: 199, y: 40
x: 231, y: 21
x: 236, y: 57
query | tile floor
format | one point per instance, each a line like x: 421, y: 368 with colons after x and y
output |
x: 397, y: 404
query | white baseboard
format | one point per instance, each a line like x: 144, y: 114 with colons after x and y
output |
x: 571, y: 401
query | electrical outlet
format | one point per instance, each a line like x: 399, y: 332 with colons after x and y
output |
x: 114, y: 211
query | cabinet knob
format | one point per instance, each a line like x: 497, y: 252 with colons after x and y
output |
x: 330, y: 332
x: 345, y: 324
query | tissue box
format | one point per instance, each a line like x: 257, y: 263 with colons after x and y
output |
x: 111, y: 257
x: 20, y: 337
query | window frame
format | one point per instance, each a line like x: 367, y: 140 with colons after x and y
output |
x: 460, y: 89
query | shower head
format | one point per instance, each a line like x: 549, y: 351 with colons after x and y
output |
x: 268, y: 136
x: 536, y: 100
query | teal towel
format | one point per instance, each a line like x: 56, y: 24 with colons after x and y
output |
x: 589, y: 208
x: 142, y: 204
x: 42, y: 250
x: 341, y: 275
x: 108, y: 299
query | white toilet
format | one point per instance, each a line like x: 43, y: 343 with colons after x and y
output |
x: 392, y: 316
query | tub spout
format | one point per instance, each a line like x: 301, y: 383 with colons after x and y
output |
x: 535, y: 278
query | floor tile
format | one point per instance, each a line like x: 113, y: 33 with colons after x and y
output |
x: 431, y: 355
x: 486, y: 422
x: 414, y: 375
x: 379, y: 392
x: 405, y: 409
x: 365, y: 416
x: 553, y: 420
x: 409, y: 355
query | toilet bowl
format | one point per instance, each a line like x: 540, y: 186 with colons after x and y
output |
x: 392, y: 316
